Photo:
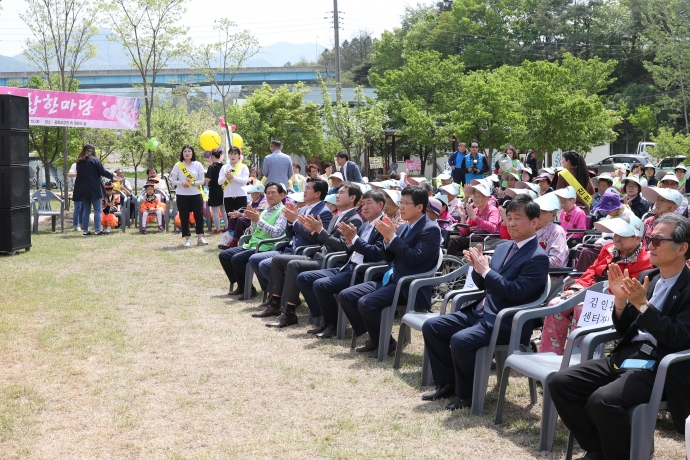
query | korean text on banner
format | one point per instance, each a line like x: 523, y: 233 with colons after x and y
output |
x: 597, y: 309
x: 57, y: 108
x: 375, y: 162
x: 413, y: 165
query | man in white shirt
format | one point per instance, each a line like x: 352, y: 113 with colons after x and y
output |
x: 653, y: 316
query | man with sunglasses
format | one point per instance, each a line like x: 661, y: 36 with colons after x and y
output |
x: 652, y: 314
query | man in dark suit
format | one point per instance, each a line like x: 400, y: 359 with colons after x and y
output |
x: 413, y: 249
x: 653, y: 316
x: 348, y: 169
x: 314, y: 193
x: 516, y: 275
x: 285, y: 268
x: 366, y: 245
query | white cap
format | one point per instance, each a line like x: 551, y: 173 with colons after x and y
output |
x: 631, y: 179
x: 603, y: 176
x: 336, y: 175
x: 652, y: 193
x: 297, y: 197
x: 549, y: 202
x: 363, y: 187
x: 481, y: 188
x: 670, y: 177
x: 384, y: 184
x: 443, y: 198
x: 434, y: 205
x: 528, y: 185
x: 649, y: 165
x: 548, y: 171
x: 513, y: 192
x: 256, y: 188
x: 330, y: 198
x: 417, y: 179
x: 394, y: 195
x: 568, y: 192
x: 443, y: 176
x: 493, y: 178
x: 453, y: 189
x: 621, y: 226
x: 506, y: 174
x: 680, y: 166
x: 527, y: 169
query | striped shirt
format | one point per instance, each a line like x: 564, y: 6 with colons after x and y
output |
x: 279, y: 228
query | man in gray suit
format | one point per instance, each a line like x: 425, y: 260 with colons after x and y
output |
x: 277, y: 166
x: 348, y: 169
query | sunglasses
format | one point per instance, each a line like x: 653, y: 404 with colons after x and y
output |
x: 655, y: 241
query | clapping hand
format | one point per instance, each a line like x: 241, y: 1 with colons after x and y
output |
x: 635, y: 291
x: 229, y: 175
x: 503, y: 213
x: 290, y: 212
x: 311, y: 224
x: 251, y: 214
x: 478, y: 260
x: 616, y: 278
x: 471, y: 212
x: 348, y: 231
x: 386, y: 228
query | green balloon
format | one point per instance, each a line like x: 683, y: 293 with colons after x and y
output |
x: 152, y: 144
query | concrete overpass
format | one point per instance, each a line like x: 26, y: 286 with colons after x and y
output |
x: 169, y: 78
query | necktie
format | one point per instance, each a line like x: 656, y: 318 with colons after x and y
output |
x: 511, y: 253
x: 389, y: 273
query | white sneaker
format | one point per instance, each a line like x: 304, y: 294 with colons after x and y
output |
x: 107, y: 229
x: 187, y: 244
x: 201, y: 241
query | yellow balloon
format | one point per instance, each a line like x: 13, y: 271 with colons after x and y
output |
x: 237, y: 140
x: 209, y: 140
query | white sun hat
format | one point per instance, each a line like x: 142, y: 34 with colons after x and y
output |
x: 394, y: 195
x: 621, y: 226
x: 336, y: 175
x: 652, y: 193
x: 567, y: 192
x: 256, y: 188
x: 549, y: 202
x: 481, y: 188
x: 513, y: 192
x: 453, y: 189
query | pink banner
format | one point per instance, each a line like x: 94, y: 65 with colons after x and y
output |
x: 57, y: 108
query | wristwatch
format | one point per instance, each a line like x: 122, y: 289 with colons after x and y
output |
x: 643, y: 307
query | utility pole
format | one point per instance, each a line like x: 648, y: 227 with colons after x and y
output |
x: 336, y: 28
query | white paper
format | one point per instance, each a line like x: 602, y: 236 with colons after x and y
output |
x: 597, y: 309
x: 469, y: 282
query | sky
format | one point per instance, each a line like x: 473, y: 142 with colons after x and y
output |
x: 271, y: 21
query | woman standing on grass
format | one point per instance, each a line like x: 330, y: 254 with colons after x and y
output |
x: 188, y: 177
x: 215, y: 191
x: 89, y: 189
x: 233, y: 176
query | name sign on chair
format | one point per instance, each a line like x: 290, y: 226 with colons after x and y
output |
x: 597, y: 309
x: 469, y: 282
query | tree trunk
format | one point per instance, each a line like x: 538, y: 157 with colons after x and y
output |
x: 46, y: 174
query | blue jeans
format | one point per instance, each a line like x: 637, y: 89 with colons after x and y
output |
x: 77, y: 213
x: 86, y: 214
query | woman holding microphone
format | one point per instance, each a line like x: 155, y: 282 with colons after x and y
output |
x: 188, y: 177
x: 233, y: 176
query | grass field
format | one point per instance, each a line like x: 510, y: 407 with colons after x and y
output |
x: 125, y: 346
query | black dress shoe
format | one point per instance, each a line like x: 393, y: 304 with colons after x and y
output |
x: 368, y: 346
x: 330, y: 331
x: 270, y: 310
x: 240, y: 294
x: 236, y: 292
x: 319, y: 329
x: 457, y: 403
x: 593, y: 456
x: 284, y: 320
x: 442, y: 392
x: 391, y: 350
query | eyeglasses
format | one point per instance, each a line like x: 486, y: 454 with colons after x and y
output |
x: 655, y: 241
x: 406, y: 203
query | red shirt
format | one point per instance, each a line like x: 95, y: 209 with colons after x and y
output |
x: 635, y: 265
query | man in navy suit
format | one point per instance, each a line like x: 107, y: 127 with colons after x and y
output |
x: 516, y: 275
x: 413, y: 249
x: 348, y: 169
x: 315, y: 191
x: 363, y: 246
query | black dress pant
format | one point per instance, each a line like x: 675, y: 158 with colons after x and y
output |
x: 592, y: 399
x: 187, y: 204
x: 233, y: 203
x: 284, y: 271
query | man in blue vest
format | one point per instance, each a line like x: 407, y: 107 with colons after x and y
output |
x: 474, y: 165
x: 456, y: 163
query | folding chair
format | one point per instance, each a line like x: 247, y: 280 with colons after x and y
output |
x: 41, y: 206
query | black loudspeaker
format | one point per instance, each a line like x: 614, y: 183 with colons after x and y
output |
x: 15, y: 229
x: 14, y: 112
x: 14, y: 147
x: 14, y: 186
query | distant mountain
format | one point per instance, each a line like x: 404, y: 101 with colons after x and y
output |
x: 110, y: 54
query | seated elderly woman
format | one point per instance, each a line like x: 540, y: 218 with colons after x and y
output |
x: 611, y: 207
x: 392, y: 208
x: 670, y: 181
x: 479, y: 217
x: 572, y: 217
x: 665, y: 201
x: 632, y: 187
x: 237, y: 223
x: 551, y: 236
x: 625, y: 250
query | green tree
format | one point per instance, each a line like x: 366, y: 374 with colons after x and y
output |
x: 151, y: 38
x: 224, y: 58
x: 281, y: 113
x: 645, y: 119
x: 670, y: 144
x: 422, y: 94
x: 105, y: 141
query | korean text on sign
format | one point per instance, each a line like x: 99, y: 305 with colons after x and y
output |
x: 597, y: 309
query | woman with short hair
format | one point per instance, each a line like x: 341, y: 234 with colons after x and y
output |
x: 188, y: 177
